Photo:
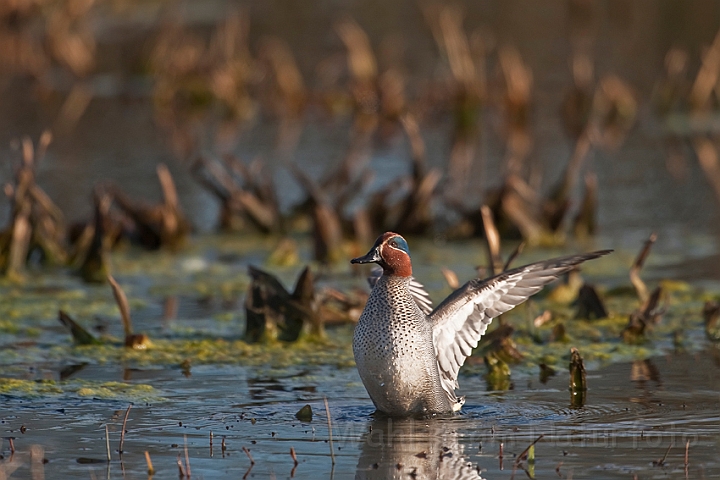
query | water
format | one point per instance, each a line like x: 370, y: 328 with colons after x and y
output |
x: 634, y: 411
x: 625, y: 426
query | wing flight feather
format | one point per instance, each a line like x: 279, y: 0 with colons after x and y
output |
x: 462, y: 318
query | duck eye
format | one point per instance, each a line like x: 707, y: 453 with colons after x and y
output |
x: 400, y: 244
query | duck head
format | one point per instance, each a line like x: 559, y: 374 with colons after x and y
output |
x: 391, y: 252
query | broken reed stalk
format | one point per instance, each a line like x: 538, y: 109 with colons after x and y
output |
x: 247, y: 452
x: 500, y: 455
x: 211, y: 443
x: 187, y: 458
x: 637, y: 282
x: 524, y: 452
x: 518, y: 250
x: 661, y: 462
x: 11, y: 441
x: 687, y: 454
x: 493, y: 240
x: 168, y: 186
x: 295, y: 462
x: 329, y: 422
x: 151, y: 470
x: 107, y: 443
x: 181, y: 469
x: 122, y: 433
x: 123, y: 305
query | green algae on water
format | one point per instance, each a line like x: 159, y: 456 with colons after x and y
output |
x: 79, y: 388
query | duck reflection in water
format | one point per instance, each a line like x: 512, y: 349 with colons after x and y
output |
x: 413, y: 448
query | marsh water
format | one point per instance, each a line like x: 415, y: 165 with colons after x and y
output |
x: 199, y: 380
x: 625, y: 426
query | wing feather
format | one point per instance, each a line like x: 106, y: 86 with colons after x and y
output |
x: 462, y: 319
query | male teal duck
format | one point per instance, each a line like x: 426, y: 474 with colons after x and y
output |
x: 409, y: 354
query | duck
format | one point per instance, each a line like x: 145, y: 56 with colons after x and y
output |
x: 408, y: 353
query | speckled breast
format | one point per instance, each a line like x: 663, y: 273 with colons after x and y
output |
x: 394, y: 352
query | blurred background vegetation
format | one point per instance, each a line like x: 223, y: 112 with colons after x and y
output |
x: 565, y: 117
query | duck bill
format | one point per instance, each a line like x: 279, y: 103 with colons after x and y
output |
x: 373, y: 256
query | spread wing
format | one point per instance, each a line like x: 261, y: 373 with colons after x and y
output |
x: 462, y: 318
x: 417, y: 290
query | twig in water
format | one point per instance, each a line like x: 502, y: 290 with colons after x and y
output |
x: 11, y: 441
x: 518, y: 460
x: 247, y: 452
x: 557, y: 469
x: 661, y: 462
x: 294, y: 457
x: 107, y: 443
x: 500, y: 456
x: 122, y: 433
x: 181, y: 469
x: 123, y: 305
x: 329, y: 422
x: 524, y: 452
x: 637, y: 282
x: 248, y: 471
x: 151, y: 470
x: 211, y: 443
x: 187, y: 458
x: 222, y: 446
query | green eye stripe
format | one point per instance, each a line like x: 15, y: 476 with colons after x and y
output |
x: 400, y: 244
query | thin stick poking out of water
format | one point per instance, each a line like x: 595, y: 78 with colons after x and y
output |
x: 107, y: 443
x: 500, y: 455
x: 151, y: 470
x: 247, y: 452
x: 661, y: 462
x: 329, y: 422
x: 524, y: 452
x: 295, y: 460
x: 123, y: 305
x: 122, y: 434
x: 635, y: 279
x: 181, y: 469
x: 187, y: 458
